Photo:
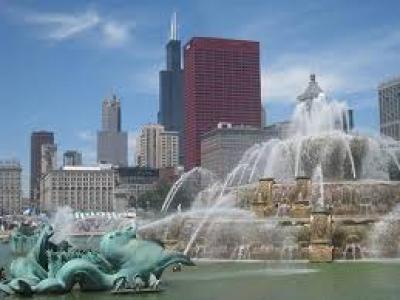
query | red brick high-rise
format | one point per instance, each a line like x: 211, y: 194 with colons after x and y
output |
x: 222, y: 84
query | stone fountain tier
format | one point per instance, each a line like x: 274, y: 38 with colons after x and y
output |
x: 279, y: 216
x: 224, y: 237
x: 268, y: 238
x: 345, y: 198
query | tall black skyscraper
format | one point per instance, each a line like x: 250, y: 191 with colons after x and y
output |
x: 171, y: 89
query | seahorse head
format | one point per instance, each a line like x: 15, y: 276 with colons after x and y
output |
x: 112, y: 244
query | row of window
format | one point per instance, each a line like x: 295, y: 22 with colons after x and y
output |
x: 392, y: 131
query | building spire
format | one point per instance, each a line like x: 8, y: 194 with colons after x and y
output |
x: 173, y: 34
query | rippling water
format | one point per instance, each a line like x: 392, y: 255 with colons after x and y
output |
x: 266, y: 280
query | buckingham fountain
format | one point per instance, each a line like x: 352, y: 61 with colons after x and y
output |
x: 324, y: 192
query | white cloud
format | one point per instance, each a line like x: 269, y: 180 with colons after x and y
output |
x: 286, y: 83
x: 351, y: 69
x: 63, y: 26
x: 116, y: 34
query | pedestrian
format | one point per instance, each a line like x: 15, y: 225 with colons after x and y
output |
x: 3, y: 276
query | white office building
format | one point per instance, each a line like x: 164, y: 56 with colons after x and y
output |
x: 10, y: 187
x: 86, y: 188
x: 157, y: 148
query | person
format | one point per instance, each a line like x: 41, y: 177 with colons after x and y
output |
x: 3, y: 276
x: 177, y: 268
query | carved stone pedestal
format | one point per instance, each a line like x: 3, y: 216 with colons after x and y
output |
x: 320, y: 253
x: 320, y: 249
x: 263, y: 205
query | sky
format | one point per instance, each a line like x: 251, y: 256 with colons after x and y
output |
x: 60, y: 59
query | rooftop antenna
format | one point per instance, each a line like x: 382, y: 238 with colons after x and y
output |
x: 173, y: 34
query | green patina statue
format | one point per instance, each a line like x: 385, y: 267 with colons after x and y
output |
x: 124, y: 262
x: 23, y: 238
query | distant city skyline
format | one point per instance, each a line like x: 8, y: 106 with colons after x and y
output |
x: 61, y: 59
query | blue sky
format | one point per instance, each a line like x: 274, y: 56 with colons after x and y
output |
x: 59, y: 59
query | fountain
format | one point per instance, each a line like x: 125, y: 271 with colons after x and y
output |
x: 325, y: 182
x: 385, y: 235
x: 124, y: 263
x: 320, y: 249
x: 196, y: 174
x: 23, y: 238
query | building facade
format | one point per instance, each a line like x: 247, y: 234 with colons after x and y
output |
x: 221, y: 84
x: 72, y: 158
x: 49, y: 158
x: 170, y: 113
x: 263, y: 116
x: 157, y: 148
x: 83, y: 188
x: 389, y: 108
x: 131, y: 183
x: 38, y: 138
x: 223, y: 147
x: 112, y: 143
x: 279, y: 130
x: 96, y: 188
x: 10, y: 188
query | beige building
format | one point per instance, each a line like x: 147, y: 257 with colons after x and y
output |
x: 96, y: 188
x: 112, y: 142
x: 157, y: 148
x: 132, y: 183
x: 48, y: 158
x: 88, y: 188
x: 10, y: 187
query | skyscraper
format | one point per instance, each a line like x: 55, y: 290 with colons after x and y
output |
x: 223, y: 147
x: 221, y: 84
x: 389, y: 108
x: 112, y: 143
x: 10, y: 187
x: 72, y: 158
x: 170, y: 113
x: 49, y: 158
x: 38, y: 138
x: 157, y: 148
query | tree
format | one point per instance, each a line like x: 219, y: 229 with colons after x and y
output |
x: 154, y: 199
